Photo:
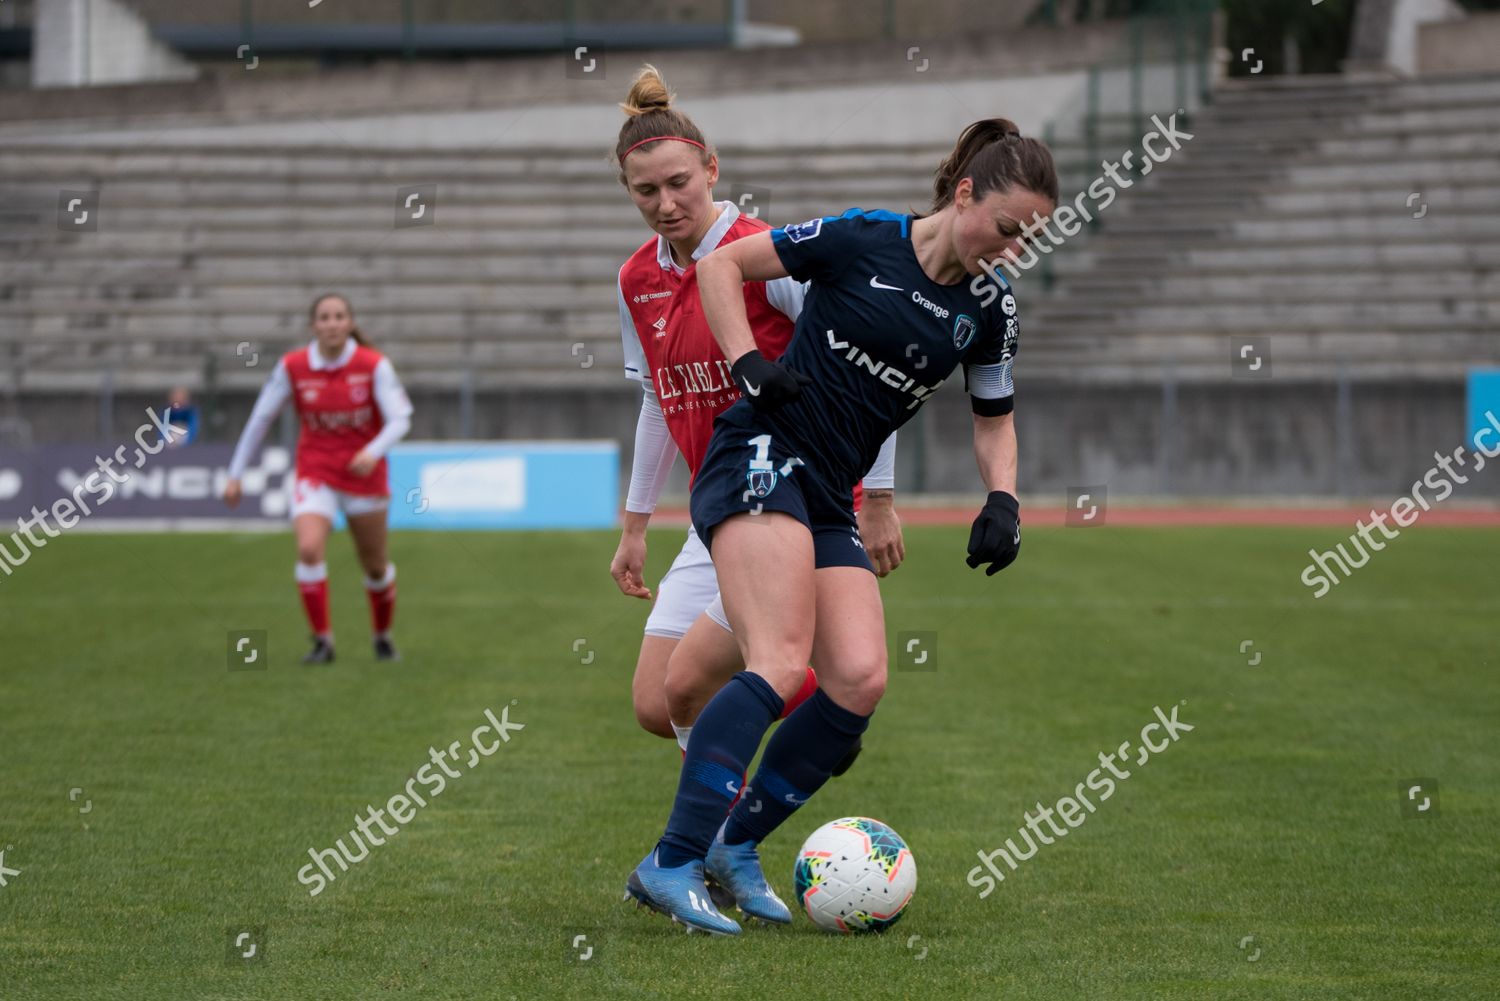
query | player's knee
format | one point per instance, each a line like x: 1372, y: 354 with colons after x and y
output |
x: 651, y: 714
x: 686, y: 694
x: 863, y: 684
x: 785, y: 674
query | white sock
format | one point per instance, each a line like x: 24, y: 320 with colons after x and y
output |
x: 683, y: 732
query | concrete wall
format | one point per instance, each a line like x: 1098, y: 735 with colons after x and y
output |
x: 825, y: 20
x: 1468, y: 46
x: 1279, y: 438
x: 289, y: 89
x: 874, y: 114
x: 89, y: 42
x: 1386, y: 33
x: 1410, y: 16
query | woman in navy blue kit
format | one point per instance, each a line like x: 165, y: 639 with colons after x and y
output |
x: 895, y: 304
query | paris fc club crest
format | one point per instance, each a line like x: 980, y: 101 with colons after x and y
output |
x: 762, y: 481
x: 963, y: 331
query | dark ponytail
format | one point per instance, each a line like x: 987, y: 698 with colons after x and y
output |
x: 354, y: 331
x: 993, y: 153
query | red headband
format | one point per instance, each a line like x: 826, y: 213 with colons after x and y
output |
x: 681, y: 139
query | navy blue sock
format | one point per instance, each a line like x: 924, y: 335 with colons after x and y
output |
x: 725, y: 738
x: 801, y: 755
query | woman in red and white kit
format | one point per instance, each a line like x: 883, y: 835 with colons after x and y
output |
x: 688, y: 652
x: 353, y: 410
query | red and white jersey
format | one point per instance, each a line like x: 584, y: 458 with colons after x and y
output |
x: 351, y: 404
x: 667, y: 339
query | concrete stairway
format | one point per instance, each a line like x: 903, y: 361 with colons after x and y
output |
x: 217, y: 251
x: 1290, y: 217
x: 1284, y: 218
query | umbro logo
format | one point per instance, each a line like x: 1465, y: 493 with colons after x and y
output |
x: 660, y: 327
x: 875, y: 282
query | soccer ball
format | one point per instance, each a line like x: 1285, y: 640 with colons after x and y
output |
x: 854, y: 875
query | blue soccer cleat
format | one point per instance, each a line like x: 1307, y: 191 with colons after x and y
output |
x: 678, y: 893
x: 737, y: 869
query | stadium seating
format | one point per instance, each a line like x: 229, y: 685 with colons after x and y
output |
x: 1356, y: 223
x: 1286, y: 216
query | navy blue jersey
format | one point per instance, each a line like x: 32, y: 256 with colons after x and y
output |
x: 877, y: 337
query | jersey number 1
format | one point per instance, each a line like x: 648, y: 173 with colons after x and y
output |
x: 762, y: 460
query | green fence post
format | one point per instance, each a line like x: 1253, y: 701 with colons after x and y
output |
x: 1205, y: 37
x: 1180, y: 26
x: 1091, y: 121
x: 1137, y: 73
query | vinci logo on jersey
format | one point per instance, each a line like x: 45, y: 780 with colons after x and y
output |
x: 888, y: 374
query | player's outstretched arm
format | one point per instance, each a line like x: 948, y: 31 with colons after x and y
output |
x: 721, y: 279
x: 996, y: 536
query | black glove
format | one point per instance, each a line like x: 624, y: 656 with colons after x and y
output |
x: 996, y: 536
x: 767, y: 385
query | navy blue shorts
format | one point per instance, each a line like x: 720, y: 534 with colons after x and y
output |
x: 748, y: 471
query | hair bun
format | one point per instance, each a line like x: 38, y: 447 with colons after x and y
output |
x: 648, y: 92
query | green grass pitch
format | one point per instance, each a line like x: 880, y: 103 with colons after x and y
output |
x: 1264, y: 855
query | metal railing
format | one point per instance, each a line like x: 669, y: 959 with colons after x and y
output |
x: 1162, y: 63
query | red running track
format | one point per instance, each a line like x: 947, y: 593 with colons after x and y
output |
x: 1053, y: 515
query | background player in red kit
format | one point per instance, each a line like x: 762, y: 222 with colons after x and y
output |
x: 666, y: 165
x: 353, y: 410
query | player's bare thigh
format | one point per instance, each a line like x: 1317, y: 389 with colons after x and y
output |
x: 765, y: 568
x: 370, y: 534
x: 849, y: 645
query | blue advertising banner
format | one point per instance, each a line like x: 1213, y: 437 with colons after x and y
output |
x: 526, y: 484
x: 1484, y: 398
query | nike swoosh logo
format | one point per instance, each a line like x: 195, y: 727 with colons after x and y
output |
x: 875, y: 282
x: 751, y: 388
x: 731, y: 787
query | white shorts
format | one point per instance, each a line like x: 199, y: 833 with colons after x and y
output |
x: 688, y: 589
x: 311, y: 497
